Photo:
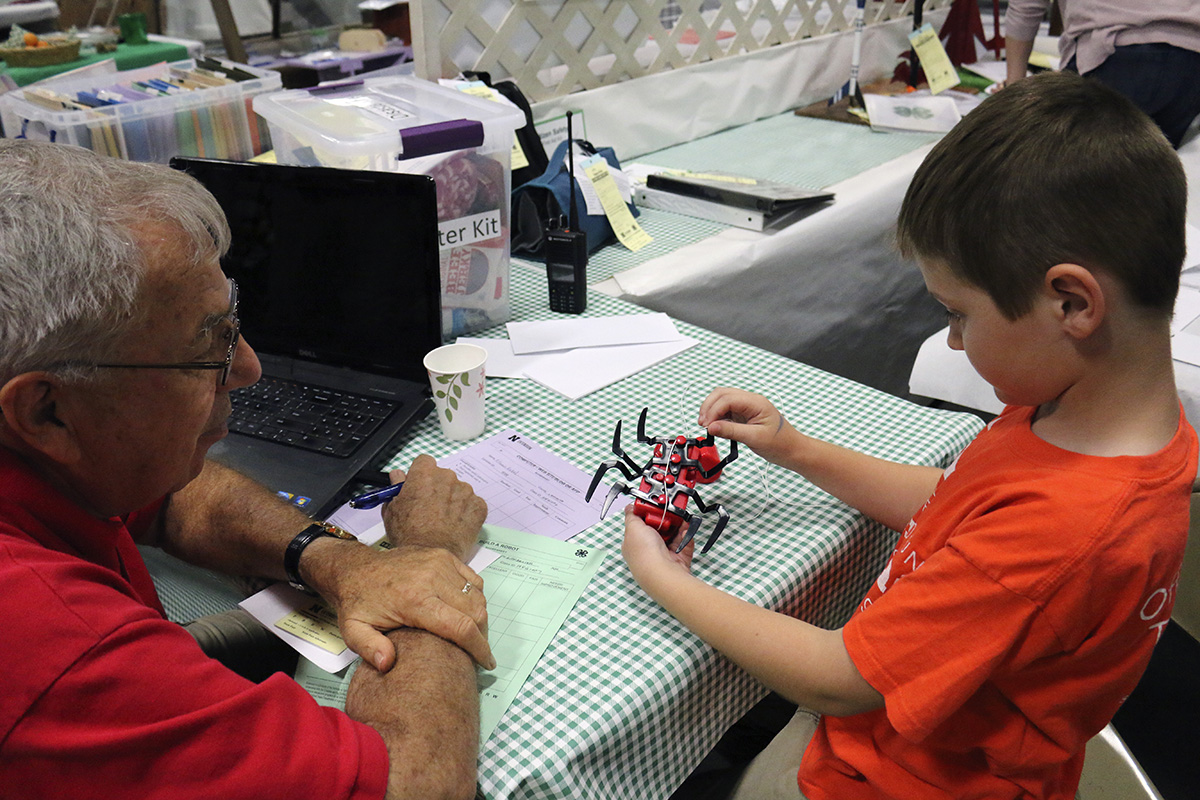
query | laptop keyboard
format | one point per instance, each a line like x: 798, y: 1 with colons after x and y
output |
x: 309, y: 417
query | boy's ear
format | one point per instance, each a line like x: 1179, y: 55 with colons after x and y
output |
x: 1078, y: 298
x: 29, y: 403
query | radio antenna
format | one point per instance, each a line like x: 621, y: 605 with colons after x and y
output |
x: 573, y: 220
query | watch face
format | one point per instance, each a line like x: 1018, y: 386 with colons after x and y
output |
x: 333, y: 530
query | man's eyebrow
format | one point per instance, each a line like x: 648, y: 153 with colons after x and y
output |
x: 210, y: 322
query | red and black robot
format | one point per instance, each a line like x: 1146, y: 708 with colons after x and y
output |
x: 667, y: 480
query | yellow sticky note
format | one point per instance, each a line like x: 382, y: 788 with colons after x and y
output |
x: 623, y: 224
x: 938, y: 70
x: 316, y: 624
x: 486, y: 92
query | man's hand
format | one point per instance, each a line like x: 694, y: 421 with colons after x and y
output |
x: 750, y: 419
x: 432, y: 525
x: 435, y: 509
x: 410, y: 587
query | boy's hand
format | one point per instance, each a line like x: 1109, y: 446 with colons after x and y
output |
x: 648, y: 557
x: 749, y: 419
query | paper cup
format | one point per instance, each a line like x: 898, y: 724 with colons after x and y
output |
x: 457, y: 377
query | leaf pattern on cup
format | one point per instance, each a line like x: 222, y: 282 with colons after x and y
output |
x: 452, y: 392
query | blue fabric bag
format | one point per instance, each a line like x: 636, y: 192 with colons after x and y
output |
x: 546, y: 198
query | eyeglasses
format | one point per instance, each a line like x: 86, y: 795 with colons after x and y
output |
x: 234, y: 334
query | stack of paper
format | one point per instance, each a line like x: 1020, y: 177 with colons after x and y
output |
x: 575, y: 357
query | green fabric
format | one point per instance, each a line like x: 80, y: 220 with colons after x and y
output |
x: 128, y: 56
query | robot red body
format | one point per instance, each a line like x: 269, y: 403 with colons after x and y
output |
x: 667, y: 480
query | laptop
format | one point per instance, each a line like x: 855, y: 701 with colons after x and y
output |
x: 339, y: 294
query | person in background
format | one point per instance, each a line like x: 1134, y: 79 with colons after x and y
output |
x: 119, y: 347
x: 1033, y: 576
x: 1148, y: 51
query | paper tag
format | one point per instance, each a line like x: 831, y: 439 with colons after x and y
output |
x: 624, y: 184
x: 623, y: 224
x: 591, y: 199
x: 317, y: 624
x: 519, y: 159
x: 938, y: 70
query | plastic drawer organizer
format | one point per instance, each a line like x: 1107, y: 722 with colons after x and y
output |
x: 149, y: 114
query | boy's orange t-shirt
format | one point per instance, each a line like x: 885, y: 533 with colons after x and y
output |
x: 1017, y: 612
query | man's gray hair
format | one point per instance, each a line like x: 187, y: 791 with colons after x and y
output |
x: 70, y: 264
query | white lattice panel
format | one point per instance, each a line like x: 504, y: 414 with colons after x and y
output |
x: 555, y: 47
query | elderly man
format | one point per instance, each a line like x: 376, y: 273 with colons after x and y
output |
x: 118, y: 349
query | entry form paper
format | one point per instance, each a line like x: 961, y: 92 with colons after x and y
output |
x: 527, y: 487
x: 530, y: 588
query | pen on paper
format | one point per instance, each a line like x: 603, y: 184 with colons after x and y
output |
x: 377, y: 497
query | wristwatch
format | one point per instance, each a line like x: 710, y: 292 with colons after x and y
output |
x: 291, y: 556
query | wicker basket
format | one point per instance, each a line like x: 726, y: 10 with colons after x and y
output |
x: 40, y: 56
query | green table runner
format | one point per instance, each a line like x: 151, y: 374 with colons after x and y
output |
x: 128, y: 56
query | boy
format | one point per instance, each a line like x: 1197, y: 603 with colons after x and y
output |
x: 1033, y: 575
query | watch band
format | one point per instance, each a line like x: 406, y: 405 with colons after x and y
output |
x: 291, y: 556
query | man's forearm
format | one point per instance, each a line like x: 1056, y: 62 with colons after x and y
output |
x: 427, y: 710
x: 226, y: 522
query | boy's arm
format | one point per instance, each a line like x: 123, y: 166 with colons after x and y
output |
x: 804, y: 663
x: 885, y: 491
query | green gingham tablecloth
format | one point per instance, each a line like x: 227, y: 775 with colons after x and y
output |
x: 625, y: 701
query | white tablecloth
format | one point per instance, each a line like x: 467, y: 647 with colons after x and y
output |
x: 829, y: 290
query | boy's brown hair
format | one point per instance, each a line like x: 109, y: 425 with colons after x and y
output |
x: 1053, y: 169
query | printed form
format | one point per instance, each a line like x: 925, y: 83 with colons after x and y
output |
x: 531, y: 588
x: 528, y: 488
x: 535, y: 503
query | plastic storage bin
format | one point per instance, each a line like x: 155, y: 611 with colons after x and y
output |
x: 406, y: 124
x: 214, y: 122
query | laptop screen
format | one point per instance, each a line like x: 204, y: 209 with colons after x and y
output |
x: 337, y: 267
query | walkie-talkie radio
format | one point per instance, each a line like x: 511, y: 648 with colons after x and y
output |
x: 566, y: 251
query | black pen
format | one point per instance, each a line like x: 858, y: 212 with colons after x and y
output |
x: 377, y: 497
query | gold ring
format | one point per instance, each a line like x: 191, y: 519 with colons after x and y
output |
x: 468, y: 587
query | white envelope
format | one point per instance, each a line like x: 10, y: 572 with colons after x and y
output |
x: 567, y: 334
x: 580, y: 372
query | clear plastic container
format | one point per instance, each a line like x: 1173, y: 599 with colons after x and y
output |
x: 213, y: 122
x: 406, y: 124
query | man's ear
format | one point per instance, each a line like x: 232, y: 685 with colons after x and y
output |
x: 1078, y: 299
x: 29, y: 403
